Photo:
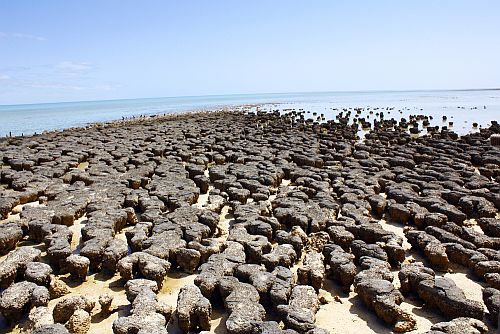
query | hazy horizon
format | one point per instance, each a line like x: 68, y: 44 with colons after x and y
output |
x: 259, y: 94
x: 53, y: 52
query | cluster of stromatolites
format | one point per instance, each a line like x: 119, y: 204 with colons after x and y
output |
x: 307, y: 203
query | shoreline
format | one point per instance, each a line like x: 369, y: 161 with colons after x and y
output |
x: 134, y: 120
x: 463, y: 105
x: 146, y: 119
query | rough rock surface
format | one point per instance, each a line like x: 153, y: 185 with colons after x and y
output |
x: 313, y: 271
x: 65, y: 308
x: 15, y: 264
x: 193, y: 310
x: 20, y: 297
x: 374, y: 286
x: 146, y: 316
x: 262, y: 206
x: 242, y: 302
x: 459, y: 325
x: 300, y: 312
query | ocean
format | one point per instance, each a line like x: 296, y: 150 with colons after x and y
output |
x: 462, y: 107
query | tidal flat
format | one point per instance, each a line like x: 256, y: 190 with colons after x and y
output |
x: 252, y: 220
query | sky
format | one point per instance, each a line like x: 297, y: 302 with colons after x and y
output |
x: 55, y: 50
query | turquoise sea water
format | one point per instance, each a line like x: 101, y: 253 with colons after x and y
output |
x: 463, y: 107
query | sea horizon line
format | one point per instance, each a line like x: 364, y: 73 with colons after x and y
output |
x: 253, y: 94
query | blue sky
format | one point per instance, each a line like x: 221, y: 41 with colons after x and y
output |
x: 89, y: 50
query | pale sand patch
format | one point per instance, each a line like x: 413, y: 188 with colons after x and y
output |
x: 5, y: 188
x: 11, y: 218
x: 472, y: 289
x: 121, y: 235
x: 202, y: 200
x: 83, y: 165
x: 477, y: 228
x: 472, y: 223
x: 218, y: 323
x: 16, y: 211
x: 172, y: 284
x: 424, y: 317
x: 225, y: 220
x: 76, y: 228
x: 397, y: 229
x: 92, y: 288
x: 297, y: 264
x: 349, y: 316
x: 284, y: 183
x: 412, y: 255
